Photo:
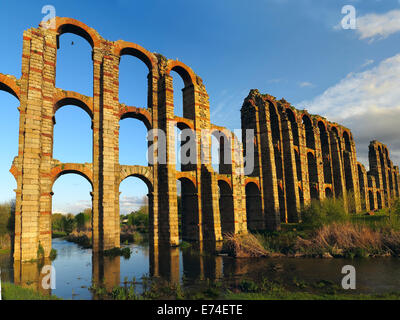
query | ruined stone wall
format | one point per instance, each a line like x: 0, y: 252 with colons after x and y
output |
x: 298, y: 156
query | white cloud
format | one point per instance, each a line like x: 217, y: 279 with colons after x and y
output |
x: 127, y: 204
x: 368, y: 103
x: 367, y: 63
x: 374, y: 26
x: 305, y: 84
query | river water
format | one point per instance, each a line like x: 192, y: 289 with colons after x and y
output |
x: 76, y: 269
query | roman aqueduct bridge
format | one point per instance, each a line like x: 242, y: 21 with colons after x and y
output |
x: 298, y: 156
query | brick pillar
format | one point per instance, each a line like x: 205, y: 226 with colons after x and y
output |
x: 250, y: 120
x: 269, y: 180
x: 105, y: 150
x: 355, y: 186
x: 304, y: 164
x: 376, y: 168
x: 153, y: 194
x: 167, y: 204
x: 292, y: 192
x: 363, y: 185
x: 109, y: 125
x: 49, y: 72
x: 337, y: 167
x: 238, y: 187
x: 197, y: 102
x: 320, y: 163
x: 28, y: 210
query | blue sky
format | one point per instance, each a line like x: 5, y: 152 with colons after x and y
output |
x: 287, y: 48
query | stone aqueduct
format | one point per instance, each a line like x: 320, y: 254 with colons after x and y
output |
x: 298, y: 156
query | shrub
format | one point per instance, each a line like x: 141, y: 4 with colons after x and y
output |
x: 324, y: 212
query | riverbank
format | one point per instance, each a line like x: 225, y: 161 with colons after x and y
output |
x: 13, y: 292
x: 327, y: 231
x: 246, y: 289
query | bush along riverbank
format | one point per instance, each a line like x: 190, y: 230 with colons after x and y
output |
x: 327, y: 231
x: 77, y: 228
x: 245, y: 289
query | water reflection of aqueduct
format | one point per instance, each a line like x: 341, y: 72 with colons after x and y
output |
x: 297, y: 156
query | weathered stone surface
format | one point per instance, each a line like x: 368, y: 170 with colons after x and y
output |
x: 298, y: 156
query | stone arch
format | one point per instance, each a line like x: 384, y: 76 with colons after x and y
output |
x: 325, y: 148
x: 69, y: 25
x: 292, y: 117
x: 254, y: 212
x: 67, y: 144
x: 361, y: 185
x: 122, y: 48
x: 312, y: 175
x: 347, y: 162
x: 73, y: 99
x: 371, y: 200
x: 189, y: 209
x: 224, y: 139
x: 226, y: 207
x: 143, y: 173
x: 379, y: 199
x: 347, y: 142
x: 328, y: 192
x: 145, y: 92
x: 185, y: 153
x: 84, y: 170
x: 143, y: 136
x: 186, y: 73
x: 188, y: 91
x: 9, y: 84
x: 309, y: 129
x: 136, y: 113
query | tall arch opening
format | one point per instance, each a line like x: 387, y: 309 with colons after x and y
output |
x: 254, y: 212
x: 371, y: 200
x: 221, y: 153
x: 326, y: 158
x: 278, y: 154
x: 328, y: 192
x: 347, y: 162
x: 134, y: 89
x: 72, y: 204
x: 362, y: 186
x: 313, y: 175
x: 336, y: 170
x: 73, y: 139
x: 74, y: 63
x: 185, y: 148
x: 310, y: 140
x: 9, y: 127
x: 188, y: 210
x: 226, y: 207
x: 379, y: 200
x: 183, y: 93
x: 135, y: 209
x: 294, y: 126
x: 133, y: 143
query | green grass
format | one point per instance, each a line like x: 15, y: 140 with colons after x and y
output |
x: 14, y: 292
x: 59, y: 234
x: 309, y: 296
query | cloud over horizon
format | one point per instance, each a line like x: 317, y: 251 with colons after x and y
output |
x: 368, y: 103
x: 374, y: 26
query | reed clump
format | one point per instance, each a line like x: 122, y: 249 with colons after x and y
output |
x: 244, y: 245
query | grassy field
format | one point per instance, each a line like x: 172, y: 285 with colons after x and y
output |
x: 13, y: 292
